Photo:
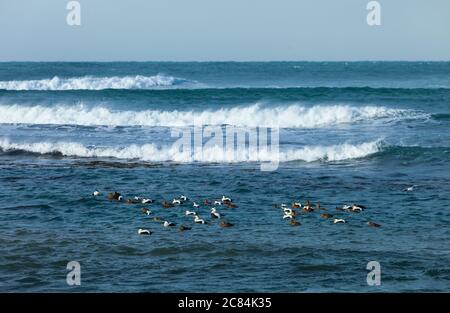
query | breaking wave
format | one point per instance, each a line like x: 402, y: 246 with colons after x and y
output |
x: 93, y: 83
x: 291, y: 116
x: 212, y: 154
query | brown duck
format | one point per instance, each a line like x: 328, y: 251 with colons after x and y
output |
x: 225, y: 224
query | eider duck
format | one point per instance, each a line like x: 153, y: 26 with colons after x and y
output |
x: 167, y: 205
x: 146, y: 211
x: 176, y: 201
x: 307, y: 207
x: 157, y: 219
x: 183, y: 228
x: 296, y: 205
x: 188, y: 213
x: 144, y: 231
x: 326, y: 215
x: 96, y: 193
x: 199, y: 220
x: 338, y: 220
x: 216, y: 202
x: 358, y: 207
x: 225, y: 224
x: 226, y: 199
x: 132, y: 201
x: 214, y: 213
x: 114, y: 196
x: 345, y: 208
x: 409, y: 189
x: 195, y: 205
x: 294, y: 223
x: 183, y: 198
x: 145, y: 201
x: 289, y: 211
x: 231, y: 205
x: 168, y: 224
x: 372, y: 224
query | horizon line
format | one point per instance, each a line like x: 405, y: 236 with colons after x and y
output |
x: 217, y: 61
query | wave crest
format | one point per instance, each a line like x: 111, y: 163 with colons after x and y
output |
x: 211, y: 154
x: 93, y: 83
x: 292, y: 116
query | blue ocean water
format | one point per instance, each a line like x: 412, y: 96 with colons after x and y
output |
x: 358, y: 132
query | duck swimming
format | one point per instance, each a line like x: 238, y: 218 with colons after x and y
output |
x: 217, y: 202
x: 231, y: 205
x: 362, y: 207
x: 176, y: 201
x: 307, y: 207
x: 226, y: 199
x: 338, y: 220
x: 183, y: 228
x: 132, y: 201
x: 294, y: 223
x: 195, y: 205
x: 345, y: 208
x: 145, y: 201
x: 214, y: 213
x: 146, y: 211
x: 199, y: 220
x: 144, y: 231
x: 372, y: 224
x: 225, y: 224
x: 167, y: 205
x: 183, y: 198
x: 96, y: 193
x: 288, y: 211
x: 168, y: 224
x: 114, y: 196
x: 296, y: 205
x: 189, y: 213
x: 326, y: 215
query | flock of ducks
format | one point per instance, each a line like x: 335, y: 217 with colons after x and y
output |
x: 290, y: 213
x: 177, y: 202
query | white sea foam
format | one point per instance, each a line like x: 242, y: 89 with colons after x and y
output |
x: 291, y: 116
x: 93, y: 83
x: 153, y: 153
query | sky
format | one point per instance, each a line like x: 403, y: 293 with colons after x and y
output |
x: 224, y: 30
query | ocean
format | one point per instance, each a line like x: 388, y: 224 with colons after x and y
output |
x: 348, y: 132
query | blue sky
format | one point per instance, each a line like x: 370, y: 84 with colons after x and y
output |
x: 210, y: 30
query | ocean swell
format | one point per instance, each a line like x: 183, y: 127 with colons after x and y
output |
x: 289, y: 116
